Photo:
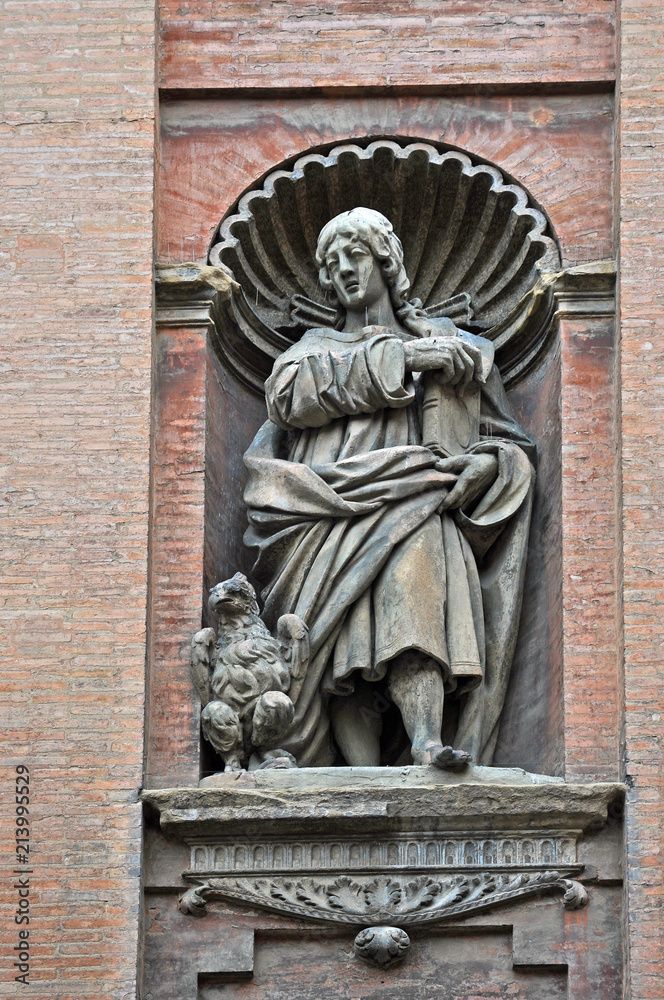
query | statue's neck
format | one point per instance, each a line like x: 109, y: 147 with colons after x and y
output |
x: 236, y: 622
x: 380, y: 313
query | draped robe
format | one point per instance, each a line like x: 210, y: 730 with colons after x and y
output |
x: 343, y: 504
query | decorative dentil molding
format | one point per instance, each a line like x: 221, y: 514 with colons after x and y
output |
x: 425, y: 851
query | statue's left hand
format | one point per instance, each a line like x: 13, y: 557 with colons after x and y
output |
x: 475, y: 474
x: 453, y: 361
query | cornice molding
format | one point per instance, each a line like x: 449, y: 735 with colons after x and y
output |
x: 207, y: 298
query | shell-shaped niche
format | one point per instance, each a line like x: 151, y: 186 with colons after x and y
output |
x: 465, y: 229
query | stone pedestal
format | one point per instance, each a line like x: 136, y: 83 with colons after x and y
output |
x: 345, y: 867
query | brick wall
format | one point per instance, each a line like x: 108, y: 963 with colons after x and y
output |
x: 77, y: 169
x: 641, y: 195
x: 404, y: 43
x: 590, y: 525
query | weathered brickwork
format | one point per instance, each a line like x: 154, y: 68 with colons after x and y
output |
x: 77, y: 171
x: 641, y: 145
x: 176, y: 571
x: 591, y: 615
x: 355, y: 43
x: 559, y: 147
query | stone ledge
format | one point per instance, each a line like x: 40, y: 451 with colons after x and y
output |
x: 408, y: 776
x: 356, y: 801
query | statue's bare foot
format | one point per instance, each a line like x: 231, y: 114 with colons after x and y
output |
x: 450, y: 759
x: 445, y: 757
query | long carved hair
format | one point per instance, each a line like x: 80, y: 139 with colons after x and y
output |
x: 375, y: 233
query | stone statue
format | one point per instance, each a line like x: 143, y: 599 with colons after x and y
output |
x: 389, y: 498
x: 244, y: 683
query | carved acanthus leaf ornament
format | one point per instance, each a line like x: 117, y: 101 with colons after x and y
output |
x: 384, y: 899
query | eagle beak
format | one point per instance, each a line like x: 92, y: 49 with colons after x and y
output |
x: 219, y: 600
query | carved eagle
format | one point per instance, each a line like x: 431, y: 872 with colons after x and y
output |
x: 247, y: 679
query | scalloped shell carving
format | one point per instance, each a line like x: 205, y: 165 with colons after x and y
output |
x: 464, y: 228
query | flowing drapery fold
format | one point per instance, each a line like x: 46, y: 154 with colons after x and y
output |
x: 344, y: 517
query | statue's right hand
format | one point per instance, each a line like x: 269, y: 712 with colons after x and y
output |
x: 455, y: 361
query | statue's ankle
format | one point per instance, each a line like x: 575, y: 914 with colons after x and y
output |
x: 424, y: 753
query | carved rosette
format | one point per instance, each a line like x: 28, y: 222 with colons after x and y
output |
x: 382, y: 946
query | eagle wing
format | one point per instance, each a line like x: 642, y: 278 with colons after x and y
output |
x: 293, y: 639
x: 202, y: 646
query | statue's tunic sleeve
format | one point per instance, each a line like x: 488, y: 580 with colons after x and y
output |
x: 314, y: 384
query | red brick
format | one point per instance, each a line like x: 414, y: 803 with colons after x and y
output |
x: 349, y: 43
x: 641, y: 144
x: 76, y: 246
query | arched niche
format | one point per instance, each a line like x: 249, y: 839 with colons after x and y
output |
x: 478, y: 248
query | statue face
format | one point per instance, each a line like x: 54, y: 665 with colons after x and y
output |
x: 355, y: 273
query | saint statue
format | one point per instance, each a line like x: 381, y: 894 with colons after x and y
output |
x: 389, y: 497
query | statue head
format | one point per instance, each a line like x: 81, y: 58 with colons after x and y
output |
x: 365, y: 230
x: 233, y: 597
x: 358, y: 256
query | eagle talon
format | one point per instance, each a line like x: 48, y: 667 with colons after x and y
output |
x: 284, y: 762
